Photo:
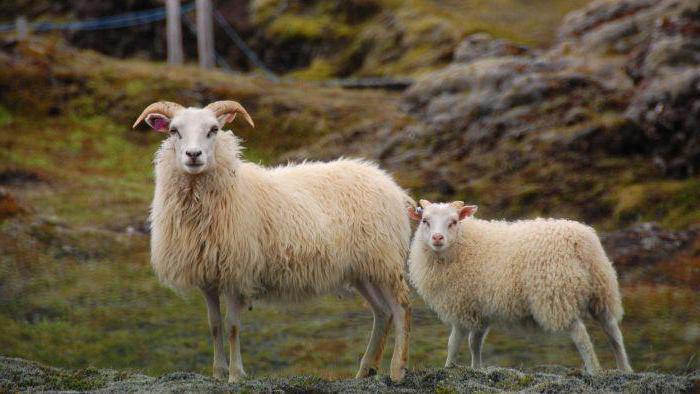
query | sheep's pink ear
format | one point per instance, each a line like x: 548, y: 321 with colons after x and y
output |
x: 467, y: 211
x: 158, y: 122
x: 226, y: 118
x: 414, y: 214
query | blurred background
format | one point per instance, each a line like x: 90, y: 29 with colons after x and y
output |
x: 576, y: 109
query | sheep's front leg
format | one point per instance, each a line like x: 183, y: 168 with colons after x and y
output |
x: 456, y: 339
x: 234, y: 306
x: 214, y: 314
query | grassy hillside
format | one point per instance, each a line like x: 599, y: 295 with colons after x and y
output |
x: 76, y: 288
x: 314, y: 39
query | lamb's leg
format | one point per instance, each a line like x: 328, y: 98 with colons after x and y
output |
x: 583, y: 343
x: 453, y: 344
x: 234, y: 306
x: 214, y: 314
x: 476, y: 341
x: 612, y: 331
x: 380, y: 328
x: 401, y: 313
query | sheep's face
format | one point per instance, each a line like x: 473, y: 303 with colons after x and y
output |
x: 193, y: 130
x: 194, y: 133
x: 439, y: 222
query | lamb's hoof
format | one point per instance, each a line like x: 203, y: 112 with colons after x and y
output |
x: 237, y: 376
x: 397, y: 376
x: 366, y: 372
x: 220, y: 373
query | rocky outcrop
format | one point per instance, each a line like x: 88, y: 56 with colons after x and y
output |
x: 553, y: 131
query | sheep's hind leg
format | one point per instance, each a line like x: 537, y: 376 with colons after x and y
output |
x: 612, y: 331
x: 380, y: 329
x: 214, y: 314
x: 476, y: 342
x: 401, y: 313
x: 453, y: 344
x: 234, y: 306
x: 579, y: 335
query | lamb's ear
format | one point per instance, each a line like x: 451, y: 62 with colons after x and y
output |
x: 424, y: 203
x: 158, y: 122
x: 415, y: 214
x: 467, y: 211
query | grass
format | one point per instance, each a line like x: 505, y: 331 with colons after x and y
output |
x: 76, y: 288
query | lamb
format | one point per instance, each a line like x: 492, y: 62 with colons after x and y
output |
x: 227, y: 226
x: 475, y: 273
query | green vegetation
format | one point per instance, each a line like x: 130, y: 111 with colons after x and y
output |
x: 391, y: 37
x: 76, y: 285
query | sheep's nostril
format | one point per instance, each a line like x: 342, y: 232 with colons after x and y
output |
x: 193, y: 153
x: 438, y: 237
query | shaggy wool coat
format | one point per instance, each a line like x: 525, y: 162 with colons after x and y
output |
x: 552, y: 271
x: 277, y: 233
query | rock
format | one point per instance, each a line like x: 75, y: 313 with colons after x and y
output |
x: 481, y: 45
x: 668, y: 111
x: 647, y: 244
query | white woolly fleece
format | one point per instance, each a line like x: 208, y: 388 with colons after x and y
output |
x: 282, y: 233
x: 552, y: 271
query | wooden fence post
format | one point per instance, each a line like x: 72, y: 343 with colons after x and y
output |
x: 174, y: 32
x: 205, y: 34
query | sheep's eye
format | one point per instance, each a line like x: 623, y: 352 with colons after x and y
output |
x: 452, y: 223
x: 425, y: 221
x: 174, y: 131
x: 212, y: 131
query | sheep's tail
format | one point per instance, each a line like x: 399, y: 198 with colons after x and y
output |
x: 606, y: 300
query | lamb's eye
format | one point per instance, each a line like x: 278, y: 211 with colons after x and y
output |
x: 425, y: 221
x: 173, y: 131
x: 452, y: 223
x: 212, y: 131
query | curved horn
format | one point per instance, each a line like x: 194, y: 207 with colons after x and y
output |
x: 229, y: 107
x: 457, y: 204
x: 167, y: 108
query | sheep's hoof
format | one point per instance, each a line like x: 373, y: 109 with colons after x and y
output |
x: 235, y: 377
x: 220, y: 373
x: 453, y: 365
x: 366, y: 372
x: 397, y: 376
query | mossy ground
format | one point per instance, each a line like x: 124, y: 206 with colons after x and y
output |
x: 76, y: 288
x: 19, y: 374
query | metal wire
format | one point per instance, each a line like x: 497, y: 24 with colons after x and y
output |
x: 128, y: 19
x: 240, y: 43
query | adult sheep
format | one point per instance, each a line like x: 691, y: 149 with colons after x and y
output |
x: 231, y: 227
x: 477, y: 273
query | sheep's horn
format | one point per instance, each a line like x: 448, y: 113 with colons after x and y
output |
x: 230, y: 107
x: 458, y: 204
x: 167, y: 108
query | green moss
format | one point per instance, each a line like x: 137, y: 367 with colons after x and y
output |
x: 5, y: 116
x: 290, y: 27
x: 320, y: 69
x: 673, y: 203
